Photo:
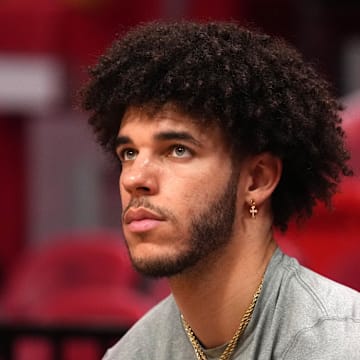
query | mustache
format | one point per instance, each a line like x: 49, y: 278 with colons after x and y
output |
x: 146, y: 204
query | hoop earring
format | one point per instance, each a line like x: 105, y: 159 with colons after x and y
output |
x: 253, y: 209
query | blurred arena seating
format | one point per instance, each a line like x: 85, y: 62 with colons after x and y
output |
x: 72, y: 297
x: 68, y: 261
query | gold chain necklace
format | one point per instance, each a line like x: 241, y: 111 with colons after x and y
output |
x: 200, y: 355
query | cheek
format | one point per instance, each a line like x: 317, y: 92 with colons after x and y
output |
x: 187, y: 198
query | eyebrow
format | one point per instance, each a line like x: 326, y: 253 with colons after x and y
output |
x: 162, y: 136
x: 122, y: 140
x: 177, y: 135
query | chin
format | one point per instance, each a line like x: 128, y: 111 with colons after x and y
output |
x: 163, y: 264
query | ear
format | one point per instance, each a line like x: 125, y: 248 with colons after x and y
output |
x: 264, y: 172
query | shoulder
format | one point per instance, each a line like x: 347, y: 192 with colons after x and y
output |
x: 327, y: 313
x: 151, y: 327
x: 331, y: 299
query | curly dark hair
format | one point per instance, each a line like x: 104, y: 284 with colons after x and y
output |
x: 257, y: 88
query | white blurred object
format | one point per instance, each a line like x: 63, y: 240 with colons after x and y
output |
x: 30, y: 83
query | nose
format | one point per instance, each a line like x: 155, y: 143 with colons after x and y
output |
x: 140, y: 177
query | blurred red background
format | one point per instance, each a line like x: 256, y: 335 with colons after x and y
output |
x: 53, y: 178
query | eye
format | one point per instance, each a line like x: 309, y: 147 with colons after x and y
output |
x: 127, y: 154
x: 180, y: 151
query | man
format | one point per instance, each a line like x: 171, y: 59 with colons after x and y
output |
x: 222, y: 135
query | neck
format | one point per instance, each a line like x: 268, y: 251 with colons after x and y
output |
x: 216, y: 293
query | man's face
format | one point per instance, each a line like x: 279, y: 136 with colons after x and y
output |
x: 178, y: 191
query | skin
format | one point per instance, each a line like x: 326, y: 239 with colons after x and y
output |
x: 167, y: 179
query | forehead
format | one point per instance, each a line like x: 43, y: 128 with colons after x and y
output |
x: 143, y: 120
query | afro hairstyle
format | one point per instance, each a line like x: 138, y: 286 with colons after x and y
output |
x: 255, y: 87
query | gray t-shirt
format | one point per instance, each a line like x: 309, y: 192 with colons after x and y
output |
x: 299, y: 315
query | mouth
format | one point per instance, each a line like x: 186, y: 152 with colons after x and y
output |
x: 141, y: 220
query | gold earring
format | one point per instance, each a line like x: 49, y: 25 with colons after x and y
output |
x: 253, y: 210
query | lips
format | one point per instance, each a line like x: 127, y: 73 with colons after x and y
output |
x: 140, y: 220
x: 140, y: 214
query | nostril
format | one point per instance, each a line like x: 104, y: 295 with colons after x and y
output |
x: 143, y: 188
